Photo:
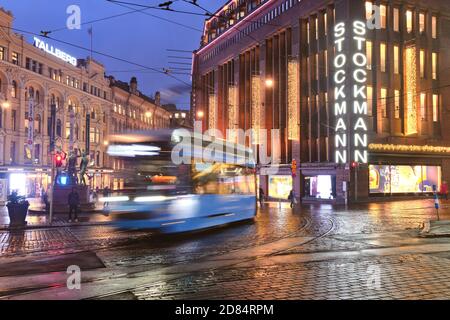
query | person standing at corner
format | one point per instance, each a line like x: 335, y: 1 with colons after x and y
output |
x: 105, y: 195
x: 261, y: 196
x: 291, y: 198
x: 74, y: 202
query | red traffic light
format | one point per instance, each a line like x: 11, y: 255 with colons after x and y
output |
x: 58, y: 160
x: 355, y: 164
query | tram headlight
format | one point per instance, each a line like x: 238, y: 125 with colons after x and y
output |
x: 184, y: 207
x: 115, y: 199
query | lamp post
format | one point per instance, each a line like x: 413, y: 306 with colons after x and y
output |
x: 5, y: 104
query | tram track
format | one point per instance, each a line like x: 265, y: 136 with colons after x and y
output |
x: 297, y: 233
x: 247, y: 260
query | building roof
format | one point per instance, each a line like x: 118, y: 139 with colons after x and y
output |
x: 126, y: 87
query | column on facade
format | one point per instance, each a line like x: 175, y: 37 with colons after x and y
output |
x: 21, y: 125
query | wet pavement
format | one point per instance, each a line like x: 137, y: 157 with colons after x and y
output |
x: 314, y: 252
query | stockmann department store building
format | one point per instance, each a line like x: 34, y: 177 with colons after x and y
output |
x: 360, y: 106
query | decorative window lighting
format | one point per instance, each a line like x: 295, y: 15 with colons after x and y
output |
x: 256, y: 108
x: 293, y: 112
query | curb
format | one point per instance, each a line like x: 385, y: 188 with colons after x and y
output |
x: 54, y: 226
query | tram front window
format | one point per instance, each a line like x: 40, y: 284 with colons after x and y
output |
x: 222, y: 179
x: 156, y: 176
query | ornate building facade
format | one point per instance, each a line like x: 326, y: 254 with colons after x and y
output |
x: 33, y: 77
x: 358, y: 91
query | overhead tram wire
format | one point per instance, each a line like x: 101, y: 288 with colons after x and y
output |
x: 99, y: 53
x: 158, y: 17
x: 98, y: 20
x: 207, y: 13
x: 158, y: 8
x: 178, y: 50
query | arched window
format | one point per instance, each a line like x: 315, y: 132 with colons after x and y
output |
x: 37, y: 97
x: 37, y: 124
x: 58, y: 128
x: 14, y: 89
x: 29, y: 93
x: 77, y: 132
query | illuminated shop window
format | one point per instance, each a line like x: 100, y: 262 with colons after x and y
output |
x: 383, y: 57
x: 409, y: 21
x: 435, y: 108
x: 397, y: 104
x: 422, y: 63
x: 316, y: 22
x: 383, y: 13
x: 307, y: 32
x: 397, y: 179
x: 396, y: 60
x: 369, y: 54
x: 422, y: 23
x: 396, y: 22
x: 434, y: 65
x: 434, y: 27
x: 317, y: 66
x: 325, y: 23
x: 369, y: 9
x: 383, y: 102
x: 369, y: 100
x: 423, y: 109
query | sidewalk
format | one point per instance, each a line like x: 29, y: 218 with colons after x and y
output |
x: 37, y: 218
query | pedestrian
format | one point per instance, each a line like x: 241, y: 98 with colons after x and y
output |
x: 105, y: 196
x: 444, y: 190
x: 96, y: 193
x: 261, y: 196
x: 291, y: 198
x: 74, y: 202
x: 46, y: 202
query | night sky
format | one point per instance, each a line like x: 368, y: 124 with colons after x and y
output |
x: 136, y: 37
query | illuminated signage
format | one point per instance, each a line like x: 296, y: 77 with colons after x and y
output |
x: 350, y: 106
x: 38, y: 43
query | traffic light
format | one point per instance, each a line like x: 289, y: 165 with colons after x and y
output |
x: 355, y: 165
x: 58, y: 160
x: 294, y: 168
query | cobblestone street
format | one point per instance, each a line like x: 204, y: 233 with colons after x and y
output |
x: 314, y: 252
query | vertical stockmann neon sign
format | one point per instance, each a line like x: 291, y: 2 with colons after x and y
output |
x: 350, y: 106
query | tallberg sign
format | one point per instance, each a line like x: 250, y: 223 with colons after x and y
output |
x: 350, y: 97
x: 38, y: 43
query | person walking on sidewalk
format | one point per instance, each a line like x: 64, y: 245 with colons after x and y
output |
x: 74, y: 202
x: 261, y: 196
x: 292, y: 199
x: 46, y: 202
x: 105, y: 196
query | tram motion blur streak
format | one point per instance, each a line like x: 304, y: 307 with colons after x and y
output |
x: 159, y: 194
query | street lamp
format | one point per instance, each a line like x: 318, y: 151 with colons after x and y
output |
x: 269, y: 83
x: 6, y: 104
x: 200, y: 114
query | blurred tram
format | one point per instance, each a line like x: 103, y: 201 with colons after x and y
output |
x: 211, y: 189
